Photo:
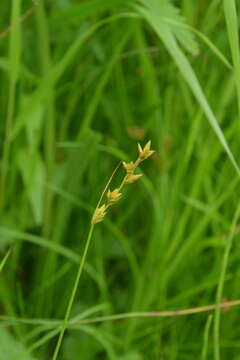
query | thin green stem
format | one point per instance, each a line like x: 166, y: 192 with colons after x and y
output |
x: 81, y: 265
x: 206, y: 337
x: 4, y: 260
x: 79, y: 273
x: 221, y: 285
x: 231, y: 17
x: 73, y: 294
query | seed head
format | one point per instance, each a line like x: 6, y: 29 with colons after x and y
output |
x: 113, y: 196
x: 99, y: 214
x: 129, y: 167
x: 130, y: 178
x: 145, y: 152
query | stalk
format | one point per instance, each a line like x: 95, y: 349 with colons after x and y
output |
x: 73, y: 294
x: 98, y: 216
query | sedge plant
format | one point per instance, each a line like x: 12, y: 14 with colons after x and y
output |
x: 98, y: 216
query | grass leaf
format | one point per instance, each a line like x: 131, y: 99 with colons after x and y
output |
x: 4, y: 260
x: 152, y: 13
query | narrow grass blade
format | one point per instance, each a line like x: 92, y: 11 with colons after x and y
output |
x: 14, y: 61
x: 16, y: 236
x: 37, y: 240
x: 206, y: 337
x: 170, y: 43
x: 4, y: 260
x: 205, y: 39
x: 232, y: 29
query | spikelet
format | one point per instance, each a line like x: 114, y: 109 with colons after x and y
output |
x: 113, y: 196
x: 130, y: 178
x: 146, y: 151
x: 129, y: 167
x: 99, y: 214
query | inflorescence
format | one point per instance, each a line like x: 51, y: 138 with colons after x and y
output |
x: 130, y: 177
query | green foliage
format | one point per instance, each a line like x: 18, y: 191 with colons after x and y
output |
x: 82, y: 82
x: 166, y: 15
x: 12, y: 349
x: 165, y: 32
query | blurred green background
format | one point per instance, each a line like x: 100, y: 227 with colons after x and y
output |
x: 82, y: 82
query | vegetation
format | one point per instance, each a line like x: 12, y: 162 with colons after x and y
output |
x: 82, y: 83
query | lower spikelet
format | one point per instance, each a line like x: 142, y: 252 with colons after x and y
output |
x: 99, y: 214
x: 130, y: 178
x: 113, y: 196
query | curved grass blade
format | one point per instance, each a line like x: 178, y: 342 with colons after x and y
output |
x: 232, y: 29
x: 4, y: 260
x: 163, y: 30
